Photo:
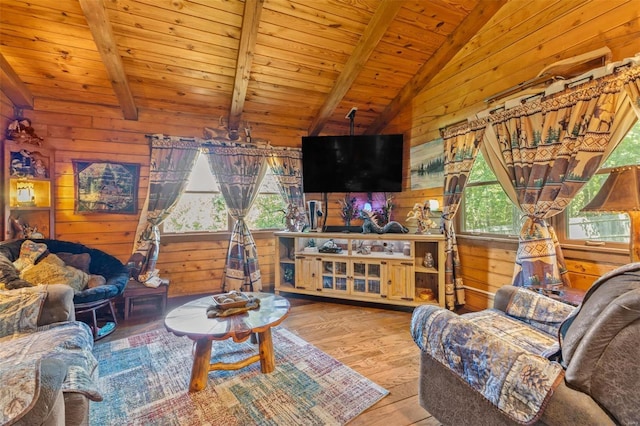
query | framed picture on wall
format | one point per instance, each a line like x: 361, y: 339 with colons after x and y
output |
x: 427, y: 165
x: 106, y: 187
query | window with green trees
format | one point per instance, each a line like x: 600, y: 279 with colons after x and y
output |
x: 486, y: 209
x: 612, y: 227
x: 202, y: 208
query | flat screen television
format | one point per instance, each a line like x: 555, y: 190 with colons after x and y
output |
x: 363, y: 163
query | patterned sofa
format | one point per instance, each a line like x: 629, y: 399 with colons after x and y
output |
x: 52, y: 382
x: 535, y: 360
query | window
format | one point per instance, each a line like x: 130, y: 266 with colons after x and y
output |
x: 202, y: 208
x: 605, y: 227
x: 485, y: 207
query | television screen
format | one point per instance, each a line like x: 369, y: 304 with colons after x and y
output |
x: 364, y: 163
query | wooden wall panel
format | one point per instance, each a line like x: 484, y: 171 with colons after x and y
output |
x: 77, y: 132
x: 197, y: 267
x: 518, y: 42
x: 6, y: 116
x: 513, y: 47
x: 488, y: 264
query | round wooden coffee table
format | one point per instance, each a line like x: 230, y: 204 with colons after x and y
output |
x: 191, y: 320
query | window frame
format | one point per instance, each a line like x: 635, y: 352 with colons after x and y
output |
x: 460, y: 216
x: 561, y: 226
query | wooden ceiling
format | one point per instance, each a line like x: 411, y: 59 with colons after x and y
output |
x: 280, y: 66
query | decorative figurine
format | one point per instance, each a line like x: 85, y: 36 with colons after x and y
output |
x: 370, y: 225
x: 20, y: 130
x: 421, y: 213
x: 294, y: 218
x: 39, y: 170
x: 428, y: 260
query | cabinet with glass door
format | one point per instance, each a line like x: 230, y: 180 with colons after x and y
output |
x: 367, y: 278
x: 334, y: 276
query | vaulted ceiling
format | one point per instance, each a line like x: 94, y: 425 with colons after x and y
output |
x: 289, y: 66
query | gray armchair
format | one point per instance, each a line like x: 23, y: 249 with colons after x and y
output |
x: 534, y: 360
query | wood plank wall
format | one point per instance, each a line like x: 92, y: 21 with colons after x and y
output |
x: 76, y: 131
x: 6, y: 117
x: 522, y: 38
x: 518, y: 39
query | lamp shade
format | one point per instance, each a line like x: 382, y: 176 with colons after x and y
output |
x: 620, y: 192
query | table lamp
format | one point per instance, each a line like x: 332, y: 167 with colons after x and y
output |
x: 621, y: 193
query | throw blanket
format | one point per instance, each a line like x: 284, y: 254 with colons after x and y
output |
x: 20, y: 356
x: 514, y: 379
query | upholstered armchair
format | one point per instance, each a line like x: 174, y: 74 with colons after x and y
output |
x: 110, y: 275
x: 534, y: 360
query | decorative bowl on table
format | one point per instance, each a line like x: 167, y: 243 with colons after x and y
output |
x: 232, y: 299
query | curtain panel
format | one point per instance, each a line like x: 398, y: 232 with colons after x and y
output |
x: 461, y: 144
x: 286, y: 165
x: 543, y: 152
x: 171, y: 162
x: 239, y: 170
x: 631, y: 85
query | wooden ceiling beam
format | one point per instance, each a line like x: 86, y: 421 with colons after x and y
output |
x: 96, y: 14
x: 250, y: 22
x: 13, y: 87
x: 468, y: 28
x: 377, y: 27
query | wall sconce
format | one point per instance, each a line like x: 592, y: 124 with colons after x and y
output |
x: 25, y: 194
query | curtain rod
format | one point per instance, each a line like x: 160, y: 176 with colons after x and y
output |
x: 565, y: 69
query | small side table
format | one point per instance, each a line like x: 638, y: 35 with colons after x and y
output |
x: 137, y: 293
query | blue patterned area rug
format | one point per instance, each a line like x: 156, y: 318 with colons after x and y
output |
x: 145, y: 381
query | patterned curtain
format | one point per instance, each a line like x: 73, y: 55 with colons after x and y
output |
x: 631, y: 86
x: 171, y: 162
x: 460, y: 151
x: 543, y: 152
x: 239, y: 170
x: 286, y: 165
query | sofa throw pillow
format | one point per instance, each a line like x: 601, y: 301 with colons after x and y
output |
x: 19, y: 311
x: 9, y: 276
x: 96, y: 281
x: 79, y: 261
x: 30, y: 254
x: 52, y: 270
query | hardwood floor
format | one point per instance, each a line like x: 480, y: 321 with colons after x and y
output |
x: 373, y: 341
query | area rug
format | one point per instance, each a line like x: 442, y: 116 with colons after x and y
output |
x: 145, y: 381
